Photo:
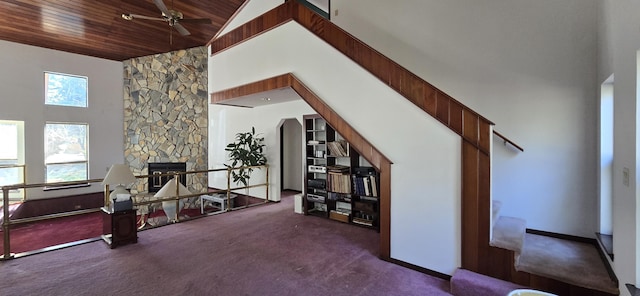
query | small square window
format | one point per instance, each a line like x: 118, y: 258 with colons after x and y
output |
x: 65, y: 90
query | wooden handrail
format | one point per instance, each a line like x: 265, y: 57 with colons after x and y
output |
x: 506, y: 140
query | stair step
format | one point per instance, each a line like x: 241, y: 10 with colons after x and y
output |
x: 508, y: 233
x: 572, y: 262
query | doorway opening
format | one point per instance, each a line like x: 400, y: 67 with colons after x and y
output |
x: 291, y: 175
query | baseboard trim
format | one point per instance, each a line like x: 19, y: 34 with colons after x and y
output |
x: 581, y: 239
x: 426, y: 271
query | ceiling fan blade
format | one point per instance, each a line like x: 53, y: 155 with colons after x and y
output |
x: 131, y: 16
x: 181, y: 29
x: 162, y: 7
x: 196, y: 21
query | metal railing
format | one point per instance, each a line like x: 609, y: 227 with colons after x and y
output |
x: 8, y: 222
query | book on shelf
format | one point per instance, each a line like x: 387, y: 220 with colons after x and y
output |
x: 338, y: 148
x: 337, y: 168
x: 338, y: 182
x: 365, y: 185
x: 374, y: 186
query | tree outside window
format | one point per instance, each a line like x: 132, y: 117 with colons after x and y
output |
x: 66, y: 152
x: 65, y: 90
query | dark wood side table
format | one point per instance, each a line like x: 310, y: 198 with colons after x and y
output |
x: 119, y: 227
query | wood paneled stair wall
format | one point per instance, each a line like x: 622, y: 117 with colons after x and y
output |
x: 474, y: 130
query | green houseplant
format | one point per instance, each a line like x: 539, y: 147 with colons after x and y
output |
x: 247, y: 150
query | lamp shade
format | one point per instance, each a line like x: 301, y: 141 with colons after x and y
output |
x: 119, y: 174
x: 169, y: 189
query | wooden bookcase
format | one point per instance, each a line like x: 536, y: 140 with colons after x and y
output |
x: 333, y: 172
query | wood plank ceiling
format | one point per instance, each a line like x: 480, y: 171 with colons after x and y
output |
x: 96, y: 28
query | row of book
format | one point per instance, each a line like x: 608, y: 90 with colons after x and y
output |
x: 338, y: 148
x: 365, y: 185
x: 338, y: 182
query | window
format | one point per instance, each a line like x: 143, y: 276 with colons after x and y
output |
x: 12, y: 155
x: 9, y: 151
x: 65, y: 90
x: 65, y: 152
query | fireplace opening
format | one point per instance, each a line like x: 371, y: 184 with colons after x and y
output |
x: 157, y: 168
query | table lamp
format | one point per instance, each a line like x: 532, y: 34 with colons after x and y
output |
x: 172, y: 189
x: 120, y: 175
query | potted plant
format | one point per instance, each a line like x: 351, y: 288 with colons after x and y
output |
x: 247, y: 150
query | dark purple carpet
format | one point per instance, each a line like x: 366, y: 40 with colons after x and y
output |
x: 263, y: 250
x: 468, y: 283
x: 42, y: 234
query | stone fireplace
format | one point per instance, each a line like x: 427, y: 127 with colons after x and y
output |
x: 165, y: 114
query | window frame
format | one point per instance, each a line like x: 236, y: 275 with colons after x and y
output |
x: 86, y: 152
x: 46, y: 89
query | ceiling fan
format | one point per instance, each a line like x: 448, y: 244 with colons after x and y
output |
x: 170, y: 16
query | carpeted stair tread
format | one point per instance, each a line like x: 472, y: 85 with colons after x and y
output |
x: 468, y: 283
x: 568, y: 261
x: 508, y: 233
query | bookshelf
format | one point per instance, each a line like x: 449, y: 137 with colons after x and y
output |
x: 339, y: 184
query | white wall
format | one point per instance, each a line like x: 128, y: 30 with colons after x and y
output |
x: 226, y: 121
x: 618, y: 46
x: 526, y: 65
x: 425, y: 204
x: 22, y: 84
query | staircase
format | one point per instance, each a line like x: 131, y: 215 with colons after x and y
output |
x: 557, y: 265
x: 503, y: 256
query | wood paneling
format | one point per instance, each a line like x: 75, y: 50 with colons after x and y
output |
x: 277, y: 82
x: 470, y: 218
x: 356, y: 141
x: 470, y: 131
x: 96, y: 28
x: 267, y: 21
